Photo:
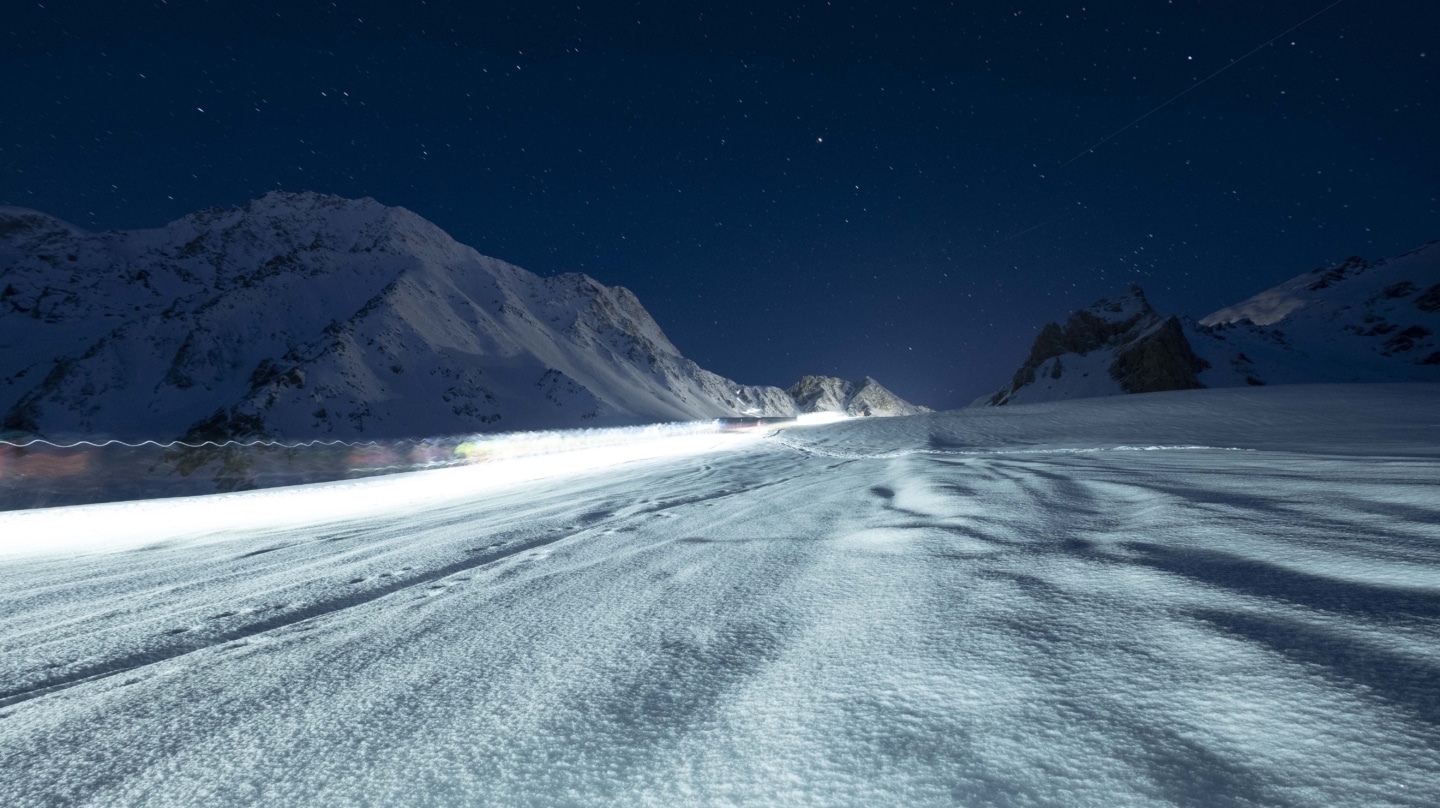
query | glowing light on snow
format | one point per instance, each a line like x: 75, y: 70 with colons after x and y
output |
x: 458, y: 469
x: 812, y: 418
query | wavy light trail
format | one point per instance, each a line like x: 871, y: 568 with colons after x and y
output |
x: 446, y: 472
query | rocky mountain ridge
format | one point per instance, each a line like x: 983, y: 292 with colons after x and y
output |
x: 866, y: 397
x: 1356, y: 321
x: 302, y: 316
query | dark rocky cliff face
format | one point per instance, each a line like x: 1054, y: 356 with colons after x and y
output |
x: 1151, y: 353
x: 1084, y: 331
x: 1161, y: 360
x: 1355, y: 321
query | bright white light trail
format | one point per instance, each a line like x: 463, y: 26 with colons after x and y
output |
x: 448, y: 471
x: 45, y: 473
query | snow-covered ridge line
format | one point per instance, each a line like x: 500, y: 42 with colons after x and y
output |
x: 302, y: 317
x: 1357, y: 321
x: 864, y: 398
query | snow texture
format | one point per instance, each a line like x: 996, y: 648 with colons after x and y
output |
x: 1212, y: 597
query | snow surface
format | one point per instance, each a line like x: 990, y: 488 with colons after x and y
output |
x: 1215, y: 597
x: 1080, y: 376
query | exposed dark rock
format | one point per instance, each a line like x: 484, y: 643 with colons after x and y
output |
x: 176, y: 375
x: 1084, y: 331
x: 1400, y: 289
x: 13, y: 225
x: 1405, y: 340
x: 1151, y: 354
x: 820, y: 393
x: 1353, y: 265
x: 225, y: 425
x: 1429, y: 300
x: 265, y: 372
x: 1160, y: 360
x: 21, y: 418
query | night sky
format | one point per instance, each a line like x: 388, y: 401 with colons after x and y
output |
x: 790, y: 188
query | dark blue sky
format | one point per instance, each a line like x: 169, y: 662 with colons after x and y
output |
x: 790, y: 188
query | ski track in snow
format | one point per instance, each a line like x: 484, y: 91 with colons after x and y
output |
x: 819, y: 618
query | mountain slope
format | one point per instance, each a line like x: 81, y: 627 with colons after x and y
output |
x: 859, y: 399
x: 1114, y: 346
x: 1357, y: 321
x: 303, y: 315
x: 1353, y: 322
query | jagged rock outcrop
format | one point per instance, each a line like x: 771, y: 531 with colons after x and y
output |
x: 864, y: 398
x: 820, y: 393
x: 1137, y: 350
x: 1160, y: 360
x: 1356, y: 321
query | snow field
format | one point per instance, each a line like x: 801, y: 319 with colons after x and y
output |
x: 995, y: 608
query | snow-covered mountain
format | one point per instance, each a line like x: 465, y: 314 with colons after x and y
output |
x: 1354, y: 322
x: 1114, y: 346
x: 866, y: 397
x: 310, y: 316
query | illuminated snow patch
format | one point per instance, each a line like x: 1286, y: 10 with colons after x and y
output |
x: 488, y: 463
x: 1125, y: 626
x: 812, y: 418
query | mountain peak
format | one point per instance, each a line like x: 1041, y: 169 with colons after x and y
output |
x: 306, y: 315
x: 1114, y: 341
x: 1122, y: 308
x: 864, y: 398
x: 24, y: 224
x: 1355, y: 320
x: 302, y: 315
x: 1323, y: 287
